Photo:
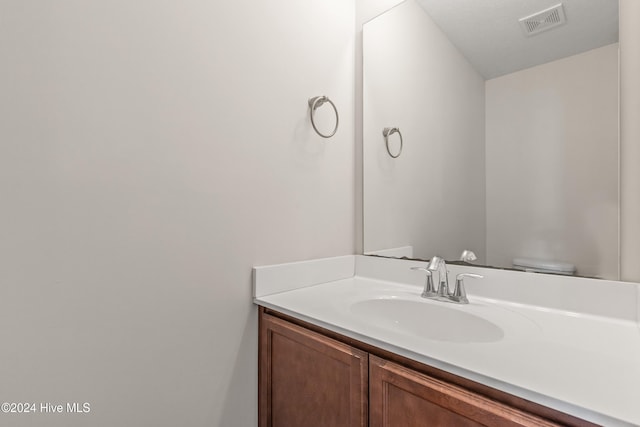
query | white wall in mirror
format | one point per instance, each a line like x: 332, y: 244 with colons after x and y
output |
x: 552, y: 163
x: 424, y: 198
x: 369, y: 9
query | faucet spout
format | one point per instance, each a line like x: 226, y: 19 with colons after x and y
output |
x: 438, y: 264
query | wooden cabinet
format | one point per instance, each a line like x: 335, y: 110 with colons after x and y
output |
x: 401, y: 397
x: 309, y: 380
x: 311, y: 377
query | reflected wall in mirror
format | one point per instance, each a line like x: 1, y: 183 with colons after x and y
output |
x: 510, y: 140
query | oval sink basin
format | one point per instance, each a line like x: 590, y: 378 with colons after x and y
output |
x: 435, y: 321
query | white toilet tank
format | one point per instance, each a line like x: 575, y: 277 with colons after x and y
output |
x: 544, y: 266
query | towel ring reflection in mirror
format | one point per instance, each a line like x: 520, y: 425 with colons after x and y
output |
x: 386, y: 132
x: 315, y: 103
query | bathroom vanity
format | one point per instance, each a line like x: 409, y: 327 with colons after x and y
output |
x: 348, y: 341
x: 311, y: 376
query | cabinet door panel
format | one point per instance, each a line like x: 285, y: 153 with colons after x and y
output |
x: 400, y: 397
x: 309, y: 380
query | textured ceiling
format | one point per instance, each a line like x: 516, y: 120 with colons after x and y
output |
x: 487, y: 32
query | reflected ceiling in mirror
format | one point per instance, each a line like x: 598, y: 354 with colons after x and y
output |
x: 488, y: 33
x: 510, y: 141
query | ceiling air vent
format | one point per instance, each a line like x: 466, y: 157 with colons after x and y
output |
x: 543, y: 21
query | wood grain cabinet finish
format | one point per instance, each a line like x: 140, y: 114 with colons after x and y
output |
x: 312, y: 377
x: 309, y: 380
x: 401, y: 397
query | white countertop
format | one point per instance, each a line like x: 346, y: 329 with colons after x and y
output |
x: 581, y: 363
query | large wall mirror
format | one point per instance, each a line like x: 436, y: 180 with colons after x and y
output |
x: 509, y: 132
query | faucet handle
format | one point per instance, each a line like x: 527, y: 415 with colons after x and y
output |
x: 459, y: 293
x: 468, y: 256
x: 429, y: 290
x: 463, y: 275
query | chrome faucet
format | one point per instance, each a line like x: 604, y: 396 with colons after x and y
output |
x: 442, y: 293
x: 438, y: 264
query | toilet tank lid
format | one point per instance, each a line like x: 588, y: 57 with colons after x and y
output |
x: 560, y: 267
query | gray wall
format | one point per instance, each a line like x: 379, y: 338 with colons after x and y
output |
x: 629, y: 140
x: 150, y: 154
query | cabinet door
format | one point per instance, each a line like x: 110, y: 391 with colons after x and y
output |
x: 400, y: 397
x: 309, y: 380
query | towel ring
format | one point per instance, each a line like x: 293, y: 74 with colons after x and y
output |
x: 386, y: 132
x: 315, y: 103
